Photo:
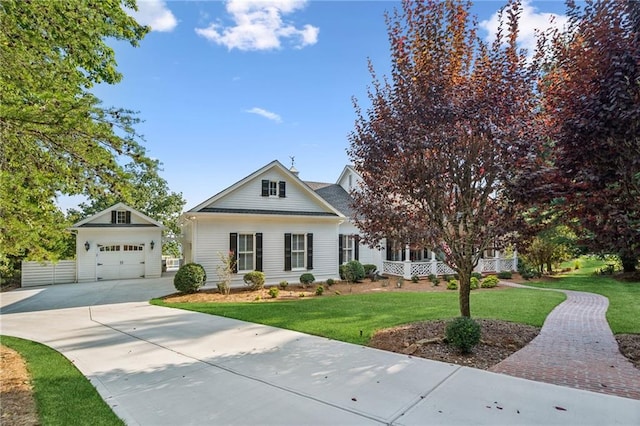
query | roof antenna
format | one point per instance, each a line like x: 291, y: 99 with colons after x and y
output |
x: 293, y: 169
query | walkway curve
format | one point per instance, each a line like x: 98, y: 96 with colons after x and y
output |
x: 575, y: 348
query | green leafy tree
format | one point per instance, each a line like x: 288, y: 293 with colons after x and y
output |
x: 550, y: 247
x: 56, y: 136
x: 434, y: 149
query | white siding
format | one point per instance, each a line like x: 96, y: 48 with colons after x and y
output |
x: 349, y: 174
x: 213, y: 238
x: 249, y: 196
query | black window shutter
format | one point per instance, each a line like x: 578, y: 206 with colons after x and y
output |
x: 233, y: 250
x: 265, y: 188
x: 287, y: 252
x: 127, y: 217
x: 340, y: 248
x: 259, y: 251
x: 309, y: 251
x: 356, y: 247
x: 114, y: 215
x: 282, y: 189
x: 389, y: 254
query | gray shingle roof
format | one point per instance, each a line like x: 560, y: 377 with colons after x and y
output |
x: 335, y: 195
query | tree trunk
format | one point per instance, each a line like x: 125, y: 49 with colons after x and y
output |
x: 464, y: 292
x: 629, y: 260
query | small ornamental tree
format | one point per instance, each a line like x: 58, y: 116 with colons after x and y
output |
x: 225, y: 272
x: 435, y: 147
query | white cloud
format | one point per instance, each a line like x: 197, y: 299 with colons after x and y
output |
x: 259, y: 26
x: 266, y: 114
x: 530, y: 21
x: 155, y: 14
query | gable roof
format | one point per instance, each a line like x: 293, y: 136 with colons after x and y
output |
x: 86, y: 223
x: 206, y: 205
x: 348, y: 168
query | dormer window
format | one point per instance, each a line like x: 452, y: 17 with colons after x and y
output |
x: 274, y: 188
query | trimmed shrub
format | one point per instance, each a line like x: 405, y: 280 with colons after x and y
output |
x: 331, y: 282
x: 353, y: 271
x: 478, y: 275
x: 306, y: 279
x: 369, y: 270
x: 273, y: 292
x: 283, y: 284
x: 254, y: 279
x: 434, y: 279
x: 504, y: 275
x: 452, y: 284
x: 342, y: 271
x: 190, y: 278
x: 463, y: 333
x: 319, y: 290
x: 415, y: 279
x: 526, y: 270
x: 490, y: 281
x: 474, y: 283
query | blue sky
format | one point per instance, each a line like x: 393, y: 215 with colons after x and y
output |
x: 227, y: 87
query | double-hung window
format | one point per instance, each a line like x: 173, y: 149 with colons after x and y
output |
x: 297, y: 251
x: 273, y: 188
x: 347, y: 248
x: 245, y: 252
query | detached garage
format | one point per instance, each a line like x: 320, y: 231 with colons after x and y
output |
x: 118, y: 243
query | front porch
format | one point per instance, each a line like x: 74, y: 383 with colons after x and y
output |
x: 411, y: 267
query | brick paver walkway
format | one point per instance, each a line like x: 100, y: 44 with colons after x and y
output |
x: 576, y: 348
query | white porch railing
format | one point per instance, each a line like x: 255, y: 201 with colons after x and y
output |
x: 171, y: 263
x: 407, y: 269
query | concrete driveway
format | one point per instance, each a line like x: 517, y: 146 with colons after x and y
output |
x: 157, y: 365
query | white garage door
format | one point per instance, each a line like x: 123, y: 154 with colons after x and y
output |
x: 120, y: 261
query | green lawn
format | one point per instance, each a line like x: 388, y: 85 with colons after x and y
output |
x: 343, y: 317
x: 63, y: 395
x: 623, y: 314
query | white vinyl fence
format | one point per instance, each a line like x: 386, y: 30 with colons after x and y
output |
x: 38, y: 273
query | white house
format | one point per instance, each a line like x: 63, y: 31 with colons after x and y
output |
x: 276, y: 223
x: 118, y: 243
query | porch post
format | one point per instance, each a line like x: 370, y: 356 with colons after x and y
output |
x: 514, y: 267
x: 407, y: 262
x: 434, y: 263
